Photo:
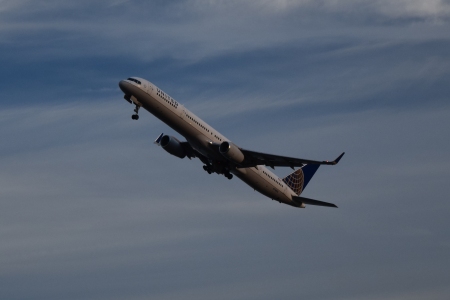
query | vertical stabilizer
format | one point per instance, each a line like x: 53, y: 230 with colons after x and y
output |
x: 299, y: 179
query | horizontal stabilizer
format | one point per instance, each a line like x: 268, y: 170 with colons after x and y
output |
x: 300, y: 200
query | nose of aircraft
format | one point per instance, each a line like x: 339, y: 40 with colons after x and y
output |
x: 123, y: 86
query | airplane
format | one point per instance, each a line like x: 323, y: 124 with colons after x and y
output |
x: 217, y: 153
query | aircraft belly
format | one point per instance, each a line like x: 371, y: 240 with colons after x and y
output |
x: 253, y: 179
x: 198, y: 141
x: 165, y: 114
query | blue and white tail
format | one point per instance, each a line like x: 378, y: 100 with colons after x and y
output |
x: 299, y: 179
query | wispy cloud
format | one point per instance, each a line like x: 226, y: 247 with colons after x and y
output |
x: 181, y: 33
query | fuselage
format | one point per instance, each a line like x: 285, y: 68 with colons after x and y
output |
x: 201, y: 136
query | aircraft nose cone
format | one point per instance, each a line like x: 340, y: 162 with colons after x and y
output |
x: 123, y: 86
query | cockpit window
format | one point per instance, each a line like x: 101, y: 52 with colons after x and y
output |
x: 134, y: 80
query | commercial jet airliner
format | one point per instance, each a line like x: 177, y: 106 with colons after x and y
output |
x: 217, y: 153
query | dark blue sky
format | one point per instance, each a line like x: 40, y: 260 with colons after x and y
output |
x: 91, y: 209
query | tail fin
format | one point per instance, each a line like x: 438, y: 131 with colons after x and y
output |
x: 299, y: 179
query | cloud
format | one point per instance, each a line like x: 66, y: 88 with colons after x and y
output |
x: 434, y: 9
x: 105, y: 28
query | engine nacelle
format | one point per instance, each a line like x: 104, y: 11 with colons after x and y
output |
x: 173, y: 146
x: 231, y: 152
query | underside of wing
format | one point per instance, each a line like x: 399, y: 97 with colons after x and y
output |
x: 190, y: 152
x: 253, y: 158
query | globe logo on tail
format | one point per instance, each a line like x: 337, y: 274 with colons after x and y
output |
x: 295, y: 181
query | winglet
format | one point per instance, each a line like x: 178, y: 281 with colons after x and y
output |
x: 338, y: 159
x: 158, y: 140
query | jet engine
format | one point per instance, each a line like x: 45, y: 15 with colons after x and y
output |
x: 231, y: 152
x: 173, y: 146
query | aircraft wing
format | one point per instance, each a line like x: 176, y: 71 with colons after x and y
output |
x: 253, y: 158
x: 190, y: 152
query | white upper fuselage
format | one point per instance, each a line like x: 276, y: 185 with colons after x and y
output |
x: 201, y: 136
